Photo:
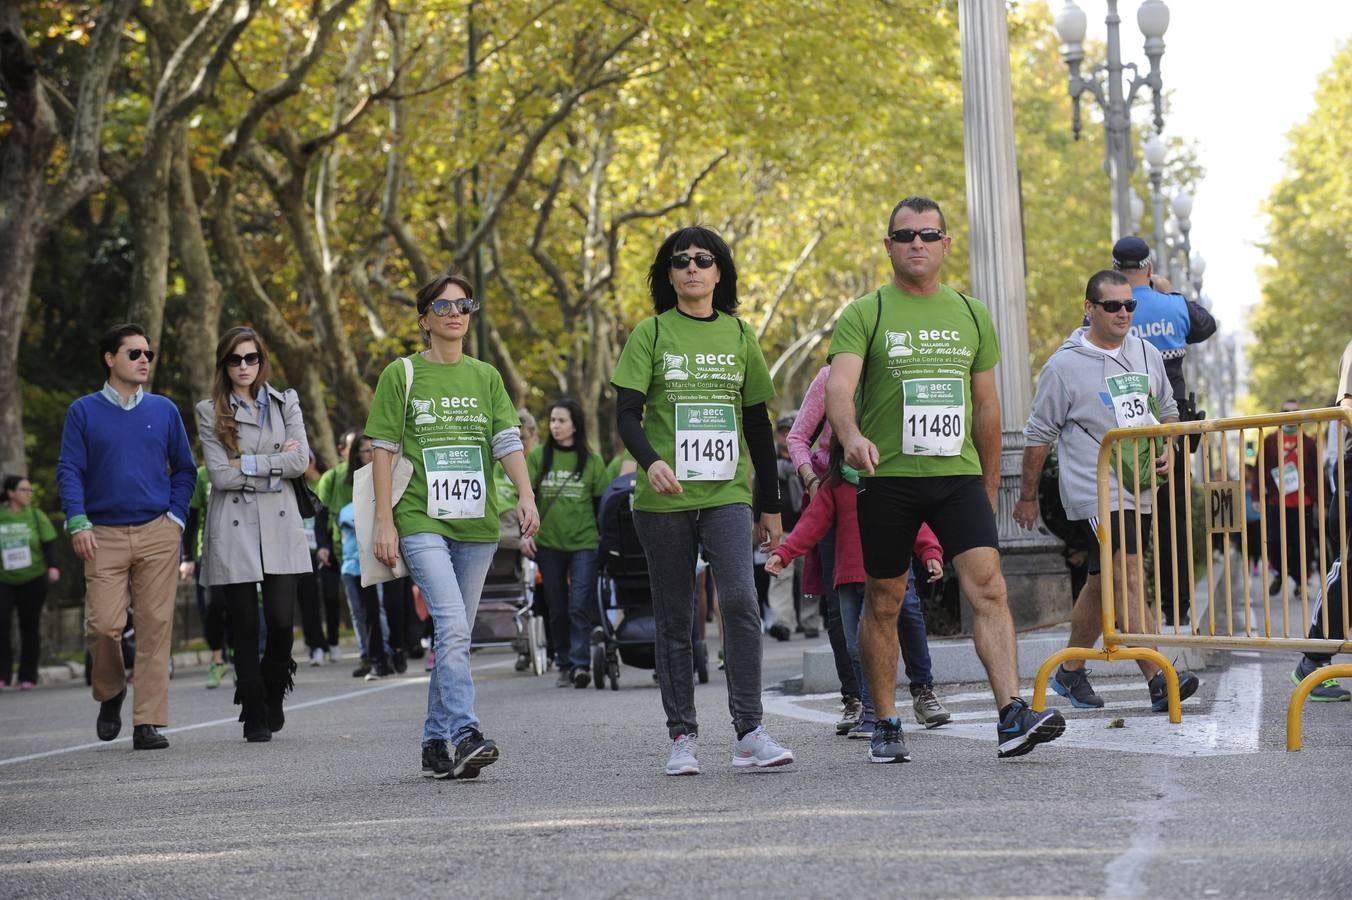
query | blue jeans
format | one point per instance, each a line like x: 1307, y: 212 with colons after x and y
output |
x: 451, y: 575
x: 570, y: 589
x: 352, y: 585
x: 911, y: 635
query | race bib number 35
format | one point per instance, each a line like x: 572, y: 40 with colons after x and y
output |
x: 1130, y: 393
x: 456, y: 488
x: 933, y: 417
x: 706, y: 442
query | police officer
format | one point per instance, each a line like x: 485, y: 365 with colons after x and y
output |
x: 1171, y: 322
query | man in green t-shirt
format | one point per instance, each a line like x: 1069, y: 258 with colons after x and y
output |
x: 912, y: 398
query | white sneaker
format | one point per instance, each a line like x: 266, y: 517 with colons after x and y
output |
x: 335, y: 654
x: 760, y: 750
x: 317, y: 656
x: 682, y: 760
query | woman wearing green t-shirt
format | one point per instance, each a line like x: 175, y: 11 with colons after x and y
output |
x: 691, y: 408
x: 569, y: 480
x: 453, y: 422
x: 28, y: 546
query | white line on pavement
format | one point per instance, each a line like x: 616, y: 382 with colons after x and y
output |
x: 1231, y: 727
x: 214, y: 722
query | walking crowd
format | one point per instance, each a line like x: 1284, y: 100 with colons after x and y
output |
x: 890, y: 468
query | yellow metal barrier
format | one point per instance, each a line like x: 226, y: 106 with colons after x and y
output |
x: 1215, y: 451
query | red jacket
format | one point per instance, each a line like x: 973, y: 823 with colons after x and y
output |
x: 839, y: 505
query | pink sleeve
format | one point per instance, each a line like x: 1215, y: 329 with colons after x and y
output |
x: 810, y: 414
x: 927, y: 545
x: 812, y: 526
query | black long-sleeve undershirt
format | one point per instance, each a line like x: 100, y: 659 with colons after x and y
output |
x: 756, y: 427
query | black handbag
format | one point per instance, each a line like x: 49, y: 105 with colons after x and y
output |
x: 307, y: 502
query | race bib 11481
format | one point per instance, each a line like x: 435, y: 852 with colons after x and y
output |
x: 706, y: 442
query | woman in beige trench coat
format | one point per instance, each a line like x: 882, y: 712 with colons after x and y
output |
x: 253, y: 440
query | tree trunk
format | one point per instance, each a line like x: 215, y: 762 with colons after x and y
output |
x: 146, y: 189
x: 24, y: 153
x: 199, y: 329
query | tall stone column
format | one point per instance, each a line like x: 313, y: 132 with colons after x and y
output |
x: 1039, y: 586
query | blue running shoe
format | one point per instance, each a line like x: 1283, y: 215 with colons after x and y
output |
x: 1075, y: 687
x: 886, y: 744
x: 1020, y: 729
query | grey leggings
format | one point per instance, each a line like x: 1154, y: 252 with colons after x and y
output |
x: 671, y: 541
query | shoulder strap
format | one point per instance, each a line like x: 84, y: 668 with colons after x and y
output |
x: 972, y: 313
x: 408, y: 395
x: 868, y: 349
x: 657, y: 329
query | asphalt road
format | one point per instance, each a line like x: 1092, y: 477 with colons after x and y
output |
x: 335, y: 805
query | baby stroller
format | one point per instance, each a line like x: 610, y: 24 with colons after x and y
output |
x: 505, y: 616
x: 627, y: 631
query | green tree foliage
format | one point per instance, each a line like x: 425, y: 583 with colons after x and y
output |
x: 1302, y: 323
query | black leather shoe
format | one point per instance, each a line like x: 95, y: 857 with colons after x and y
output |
x: 109, y: 723
x: 148, y: 737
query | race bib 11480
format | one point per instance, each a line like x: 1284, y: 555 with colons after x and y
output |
x: 933, y: 416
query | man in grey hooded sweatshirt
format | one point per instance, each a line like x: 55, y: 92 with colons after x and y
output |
x: 1102, y: 377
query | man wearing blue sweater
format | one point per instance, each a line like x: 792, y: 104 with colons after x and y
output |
x: 126, y: 474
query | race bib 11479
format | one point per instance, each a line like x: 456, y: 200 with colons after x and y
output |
x: 456, y: 487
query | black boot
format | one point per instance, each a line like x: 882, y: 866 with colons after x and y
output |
x: 277, y: 682
x: 253, y: 711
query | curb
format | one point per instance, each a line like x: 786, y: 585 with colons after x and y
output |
x: 183, y: 659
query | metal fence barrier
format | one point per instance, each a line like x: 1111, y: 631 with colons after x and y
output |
x: 1217, y: 475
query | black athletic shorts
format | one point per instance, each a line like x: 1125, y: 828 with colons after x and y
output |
x: 891, y: 511
x: 1090, y: 528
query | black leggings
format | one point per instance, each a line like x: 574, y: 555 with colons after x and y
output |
x: 394, y: 603
x: 27, y: 599
x: 279, y: 603
x: 211, y: 607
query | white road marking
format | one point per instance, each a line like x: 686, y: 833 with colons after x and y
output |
x: 1230, y: 728
x: 233, y: 720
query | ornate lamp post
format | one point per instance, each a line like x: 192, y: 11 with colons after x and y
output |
x: 1105, y: 83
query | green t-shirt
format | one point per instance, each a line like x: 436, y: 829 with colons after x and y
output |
x: 697, y: 374
x: 22, y: 535
x: 201, y: 493
x: 335, y: 492
x: 564, y: 499
x: 447, y: 430
x: 613, y: 470
x: 917, y: 400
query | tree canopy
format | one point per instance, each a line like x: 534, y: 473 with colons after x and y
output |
x: 303, y: 166
x: 1301, y: 324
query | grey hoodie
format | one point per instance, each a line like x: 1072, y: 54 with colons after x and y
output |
x: 1072, y: 404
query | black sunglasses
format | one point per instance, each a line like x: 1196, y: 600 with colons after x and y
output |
x: 682, y: 260
x: 443, y: 307
x: 135, y: 353
x: 1113, y: 306
x: 906, y: 235
x: 234, y: 360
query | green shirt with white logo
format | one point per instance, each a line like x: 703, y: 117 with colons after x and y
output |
x: 565, y: 498
x: 335, y: 492
x: 697, y: 374
x: 22, y: 535
x: 447, y: 427
x: 916, y: 403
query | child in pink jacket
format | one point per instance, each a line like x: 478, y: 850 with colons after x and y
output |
x: 836, y: 504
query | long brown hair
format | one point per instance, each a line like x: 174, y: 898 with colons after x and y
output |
x: 222, y: 386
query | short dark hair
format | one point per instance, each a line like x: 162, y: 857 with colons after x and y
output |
x: 112, y: 339
x: 1094, y: 289
x: 916, y: 204
x: 659, y: 281
x: 12, y: 483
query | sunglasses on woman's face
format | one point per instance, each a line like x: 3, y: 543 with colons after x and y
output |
x: 682, y: 260
x: 136, y: 353
x: 463, y: 305
x: 234, y: 360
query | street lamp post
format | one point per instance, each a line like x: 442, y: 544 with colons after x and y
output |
x: 1155, y: 152
x: 1105, y: 83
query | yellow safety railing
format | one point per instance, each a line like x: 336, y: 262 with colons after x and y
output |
x: 1215, y: 450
